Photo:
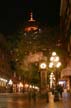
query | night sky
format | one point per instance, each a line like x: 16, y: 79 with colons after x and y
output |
x: 14, y: 13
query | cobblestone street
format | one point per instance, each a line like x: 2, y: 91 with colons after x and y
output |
x: 17, y: 101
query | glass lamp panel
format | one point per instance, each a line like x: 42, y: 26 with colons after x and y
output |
x: 54, y: 54
x: 52, y: 58
x: 51, y: 65
x: 58, y: 64
x: 56, y: 58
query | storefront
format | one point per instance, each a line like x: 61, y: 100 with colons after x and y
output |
x: 3, y: 83
x: 66, y: 75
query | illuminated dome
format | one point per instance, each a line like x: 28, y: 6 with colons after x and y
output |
x: 31, y: 25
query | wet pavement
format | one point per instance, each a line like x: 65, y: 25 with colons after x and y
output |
x: 19, y: 101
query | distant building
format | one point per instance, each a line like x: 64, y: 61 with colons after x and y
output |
x: 4, y: 58
x: 5, y: 71
x: 31, y: 25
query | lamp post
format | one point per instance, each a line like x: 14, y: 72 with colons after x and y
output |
x: 43, y: 74
x: 54, y: 63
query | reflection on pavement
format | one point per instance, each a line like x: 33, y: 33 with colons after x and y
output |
x: 20, y: 102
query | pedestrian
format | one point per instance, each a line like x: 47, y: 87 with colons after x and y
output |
x: 34, y: 95
x: 56, y: 95
x: 60, y: 90
x: 47, y: 94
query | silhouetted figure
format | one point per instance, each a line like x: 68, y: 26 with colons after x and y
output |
x: 34, y: 96
x: 60, y: 90
x: 56, y: 96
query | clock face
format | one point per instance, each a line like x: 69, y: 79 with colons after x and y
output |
x: 42, y: 65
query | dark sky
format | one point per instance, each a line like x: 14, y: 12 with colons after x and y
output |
x: 14, y: 13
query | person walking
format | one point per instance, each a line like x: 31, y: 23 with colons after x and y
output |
x: 60, y: 90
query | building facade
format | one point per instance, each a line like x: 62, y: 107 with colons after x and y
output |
x: 5, y: 70
x: 65, y: 29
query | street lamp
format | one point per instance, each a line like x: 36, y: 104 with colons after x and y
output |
x: 43, y: 74
x: 54, y: 62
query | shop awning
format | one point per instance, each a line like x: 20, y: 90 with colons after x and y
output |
x: 66, y: 72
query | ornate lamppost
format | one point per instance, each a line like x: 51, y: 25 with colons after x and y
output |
x: 54, y: 63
